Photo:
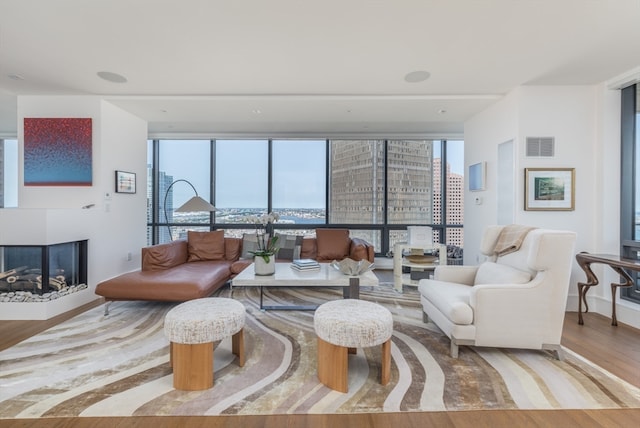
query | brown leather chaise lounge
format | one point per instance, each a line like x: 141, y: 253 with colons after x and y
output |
x: 189, y: 269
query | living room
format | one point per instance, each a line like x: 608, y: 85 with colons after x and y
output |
x: 520, y: 96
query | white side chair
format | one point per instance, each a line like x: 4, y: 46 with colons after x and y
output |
x: 516, y: 300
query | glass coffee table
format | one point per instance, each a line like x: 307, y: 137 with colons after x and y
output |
x: 285, y: 276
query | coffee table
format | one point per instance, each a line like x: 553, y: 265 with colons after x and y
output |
x: 285, y: 276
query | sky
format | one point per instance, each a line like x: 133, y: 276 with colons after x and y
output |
x: 299, y: 171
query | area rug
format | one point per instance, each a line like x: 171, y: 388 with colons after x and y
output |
x: 118, y: 365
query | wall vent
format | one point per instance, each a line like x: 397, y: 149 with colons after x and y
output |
x: 540, y: 147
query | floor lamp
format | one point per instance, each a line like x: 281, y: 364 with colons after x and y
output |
x: 195, y: 204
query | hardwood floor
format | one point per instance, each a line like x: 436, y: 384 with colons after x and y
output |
x: 616, y: 349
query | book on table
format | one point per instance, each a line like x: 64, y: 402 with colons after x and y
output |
x: 305, y: 264
x: 305, y: 268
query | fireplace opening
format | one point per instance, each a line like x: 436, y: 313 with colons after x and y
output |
x: 41, y: 269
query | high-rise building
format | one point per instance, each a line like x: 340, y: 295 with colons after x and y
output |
x: 164, y: 234
x: 357, y: 181
x: 455, y: 202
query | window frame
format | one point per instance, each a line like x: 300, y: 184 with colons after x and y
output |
x: 629, y: 243
x: 383, y: 229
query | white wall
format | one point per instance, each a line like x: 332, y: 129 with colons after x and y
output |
x: 585, y: 123
x: 116, y: 224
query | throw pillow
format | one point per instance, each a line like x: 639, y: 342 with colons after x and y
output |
x: 250, y: 243
x: 333, y: 243
x: 206, y: 245
x: 493, y: 273
x: 290, y: 246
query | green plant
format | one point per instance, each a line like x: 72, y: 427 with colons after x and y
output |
x: 267, y: 246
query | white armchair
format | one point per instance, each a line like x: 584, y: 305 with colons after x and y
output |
x: 515, y: 300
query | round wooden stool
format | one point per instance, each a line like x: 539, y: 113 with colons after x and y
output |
x: 341, y: 327
x: 192, y: 327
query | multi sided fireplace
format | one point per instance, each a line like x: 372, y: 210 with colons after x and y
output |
x: 41, y: 269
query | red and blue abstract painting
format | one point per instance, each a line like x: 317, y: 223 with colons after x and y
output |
x: 57, y: 152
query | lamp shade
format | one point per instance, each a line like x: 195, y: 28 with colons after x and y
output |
x: 195, y: 204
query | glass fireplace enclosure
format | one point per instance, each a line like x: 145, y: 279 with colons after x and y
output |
x: 41, y: 269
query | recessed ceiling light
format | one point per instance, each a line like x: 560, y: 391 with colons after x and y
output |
x: 15, y: 77
x: 256, y: 111
x: 442, y: 111
x: 417, y: 76
x: 111, y: 77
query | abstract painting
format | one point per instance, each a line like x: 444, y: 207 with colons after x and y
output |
x: 57, y: 152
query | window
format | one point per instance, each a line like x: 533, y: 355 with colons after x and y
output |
x: 181, y: 164
x: 8, y: 173
x: 375, y: 188
x: 630, y: 185
x: 241, y: 180
x: 299, y: 181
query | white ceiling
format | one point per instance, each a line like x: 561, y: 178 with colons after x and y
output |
x: 295, y: 67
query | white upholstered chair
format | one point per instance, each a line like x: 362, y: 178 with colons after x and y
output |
x: 515, y: 300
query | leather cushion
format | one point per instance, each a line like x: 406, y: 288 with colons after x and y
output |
x: 185, y: 282
x: 164, y: 256
x: 206, y: 245
x: 493, y: 273
x: 333, y: 243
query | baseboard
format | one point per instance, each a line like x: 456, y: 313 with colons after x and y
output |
x: 627, y: 313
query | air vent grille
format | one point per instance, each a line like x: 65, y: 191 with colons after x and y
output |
x: 540, y: 147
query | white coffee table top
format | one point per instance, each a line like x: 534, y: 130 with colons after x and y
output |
x: 286, y: 276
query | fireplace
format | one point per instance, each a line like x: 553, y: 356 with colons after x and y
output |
x: 42, y: 269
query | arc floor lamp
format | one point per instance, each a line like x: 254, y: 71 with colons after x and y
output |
x: 195, y: 204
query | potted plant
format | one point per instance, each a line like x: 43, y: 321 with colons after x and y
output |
x: 264, y: 257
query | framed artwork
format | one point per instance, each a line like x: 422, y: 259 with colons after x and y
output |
x: 57, y: 152
x: 477, y: 176
x: 125, y: 182
x: 549, y: 189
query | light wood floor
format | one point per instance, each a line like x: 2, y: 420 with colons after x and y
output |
x: 617, y: 349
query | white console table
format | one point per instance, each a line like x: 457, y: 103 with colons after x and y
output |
x: 399, y: 279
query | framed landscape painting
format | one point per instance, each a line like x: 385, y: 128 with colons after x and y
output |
x: 549, y: 189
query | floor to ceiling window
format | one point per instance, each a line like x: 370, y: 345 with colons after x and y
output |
x: 375, y: 188
x: 8, y: 173
x: 184, y: 169
x: 630, y: 184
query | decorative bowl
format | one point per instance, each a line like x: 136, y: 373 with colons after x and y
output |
x: 351, y: 267
x: 421, y: 259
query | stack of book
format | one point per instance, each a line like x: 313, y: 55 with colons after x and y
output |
x: 305, y: 264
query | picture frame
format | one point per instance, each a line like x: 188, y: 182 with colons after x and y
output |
x: 125, y: 182
x: 477, y: 176
x: 549, y: 189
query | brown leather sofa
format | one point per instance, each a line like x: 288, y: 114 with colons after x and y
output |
x: 190, y: 269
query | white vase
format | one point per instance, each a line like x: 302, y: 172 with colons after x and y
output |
x: 265, y: 268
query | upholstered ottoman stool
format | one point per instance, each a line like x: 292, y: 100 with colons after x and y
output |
x: 341, y: 327
x: 192, y: 327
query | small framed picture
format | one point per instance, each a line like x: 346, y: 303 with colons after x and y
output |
x: 549, y: 189
x: 125, y: 182
x: 477, y: 176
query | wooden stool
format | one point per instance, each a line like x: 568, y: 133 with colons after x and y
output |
x: 341, y: 327
x: 192, y: 327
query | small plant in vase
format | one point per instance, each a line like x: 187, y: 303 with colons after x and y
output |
x: 267, y: 242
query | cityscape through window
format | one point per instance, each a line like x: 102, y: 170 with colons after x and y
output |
x: 375, y: 188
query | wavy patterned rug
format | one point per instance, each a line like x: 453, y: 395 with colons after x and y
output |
x: 94, y: 365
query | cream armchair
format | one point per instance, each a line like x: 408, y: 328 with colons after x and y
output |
x: 515, y: 300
